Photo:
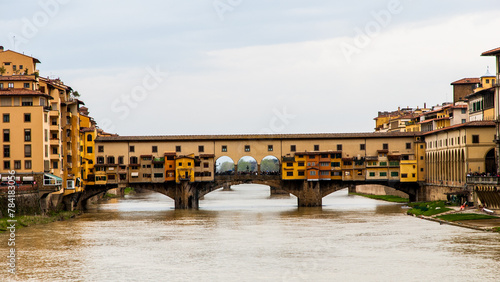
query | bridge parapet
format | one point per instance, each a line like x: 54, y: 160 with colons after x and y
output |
x: 490, y: 180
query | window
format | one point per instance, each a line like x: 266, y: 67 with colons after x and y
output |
x: 293, y: 148
x: 383, y: 174
x: 100, y: 149
x: 100, y: 160
x: 158, y: 175
x: 111, y: 160
x: 6, y: 151
x: 11, y: 85
x: 301, y: 164
x: 270, y: 148
x: 120, y: 160
x: 324, y: 164
x: 27, y: 151
x: 1, y: 85
x: 289, y: 173
x: 27, y: 135
x: 26, y: 85
x: 6, y: 135
x: 133, y: 160
x: 316, y: 147
x: 464, y: 111
x: 301, y: 173
x: 335, y: 164
x: 385, y: 146
x: 6, y: 164
x: 372, y: 174
x: 131, y: 148
x: 408, y: 146
x: 154, y: 149
x: 404, y: 175
x: 89, y: 138
x: 247, y: 148
x: 362, y: 147
x: 6, y: 117
x: 394, y: 174
x: 339, y: 147
x: 54, y: 150
x: 421, y: 157
x: 17, y: 164
x: 289, y: 164
x: 201, y: 149
x: 89, y: 150
x: 27, y: 164
x: 224, y: 148
x: 55, y: 165
x: 383, y: 163
x: 205, y: 165
x: 27, y: 101
x: 475, y: 139
x: 177, y: 148
x: 312, y: 172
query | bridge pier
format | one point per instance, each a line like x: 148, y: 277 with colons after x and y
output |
x: 310, y: 194
x: 186, y: 196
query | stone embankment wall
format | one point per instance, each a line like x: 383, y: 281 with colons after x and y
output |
x: 25, y: 204
x: 374, y: 189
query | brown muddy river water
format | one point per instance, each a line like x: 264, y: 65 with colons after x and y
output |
x: 244, y: 235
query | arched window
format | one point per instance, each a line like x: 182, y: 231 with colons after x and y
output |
x: 89, y: 137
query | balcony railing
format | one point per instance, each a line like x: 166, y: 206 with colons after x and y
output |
x: 491, y: 180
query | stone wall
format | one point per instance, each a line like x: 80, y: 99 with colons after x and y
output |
x: 374, y: 189
x: 25, y: 204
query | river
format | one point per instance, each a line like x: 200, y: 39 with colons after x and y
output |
x: 244, y: 235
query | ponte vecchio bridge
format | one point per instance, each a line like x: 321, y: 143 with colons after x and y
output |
x: 311, y: 165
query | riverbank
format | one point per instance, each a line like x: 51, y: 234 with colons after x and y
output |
x: 471, y: 218
x: 30, y: 220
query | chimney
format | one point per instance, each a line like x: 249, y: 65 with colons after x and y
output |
x: 425, y: 105
x: 1, y: 48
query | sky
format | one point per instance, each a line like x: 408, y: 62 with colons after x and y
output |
x: 242, y: 67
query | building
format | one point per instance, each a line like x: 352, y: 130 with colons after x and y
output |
x: 481, y: 100
x: 400, y: 120
x: 463, y: 87
x: 40, y: 126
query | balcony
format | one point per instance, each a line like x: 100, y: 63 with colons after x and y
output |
x: 54, y: 113
x: 54, y: 127
x: 54, y: 141
x: 55, y: 156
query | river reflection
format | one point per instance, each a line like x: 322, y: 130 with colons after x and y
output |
x: 246, y: 235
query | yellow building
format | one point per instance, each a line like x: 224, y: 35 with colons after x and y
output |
x: 88, y: 134
x: 184, y: 166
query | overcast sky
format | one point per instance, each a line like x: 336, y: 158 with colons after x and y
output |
x: 253, y: 66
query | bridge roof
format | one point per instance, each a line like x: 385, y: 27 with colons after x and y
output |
x: 255, y: 137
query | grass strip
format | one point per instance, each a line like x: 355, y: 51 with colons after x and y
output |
x: 465, y: 216
x: 388, y: 198
x: 428, y: 208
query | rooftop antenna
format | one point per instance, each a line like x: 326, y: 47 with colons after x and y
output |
x: 13, y: 41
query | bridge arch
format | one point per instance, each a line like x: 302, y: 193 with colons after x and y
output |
x: 270, y: 165
x: 224, y: 165
x: 247, y: 164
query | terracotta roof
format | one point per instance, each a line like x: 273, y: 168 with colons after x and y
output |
x: 433, y: 119
x: 483, y: 123
x: 87, y: 129
x: 491, y: 52
x: 257, y: 136
x: 17, y: 78
x: 22, y: 92
x: 472, y: 80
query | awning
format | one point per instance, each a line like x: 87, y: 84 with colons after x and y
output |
x: 134, y: 174
x: 51, y: 180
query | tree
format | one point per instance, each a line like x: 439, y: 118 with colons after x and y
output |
x: 2, y: 70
